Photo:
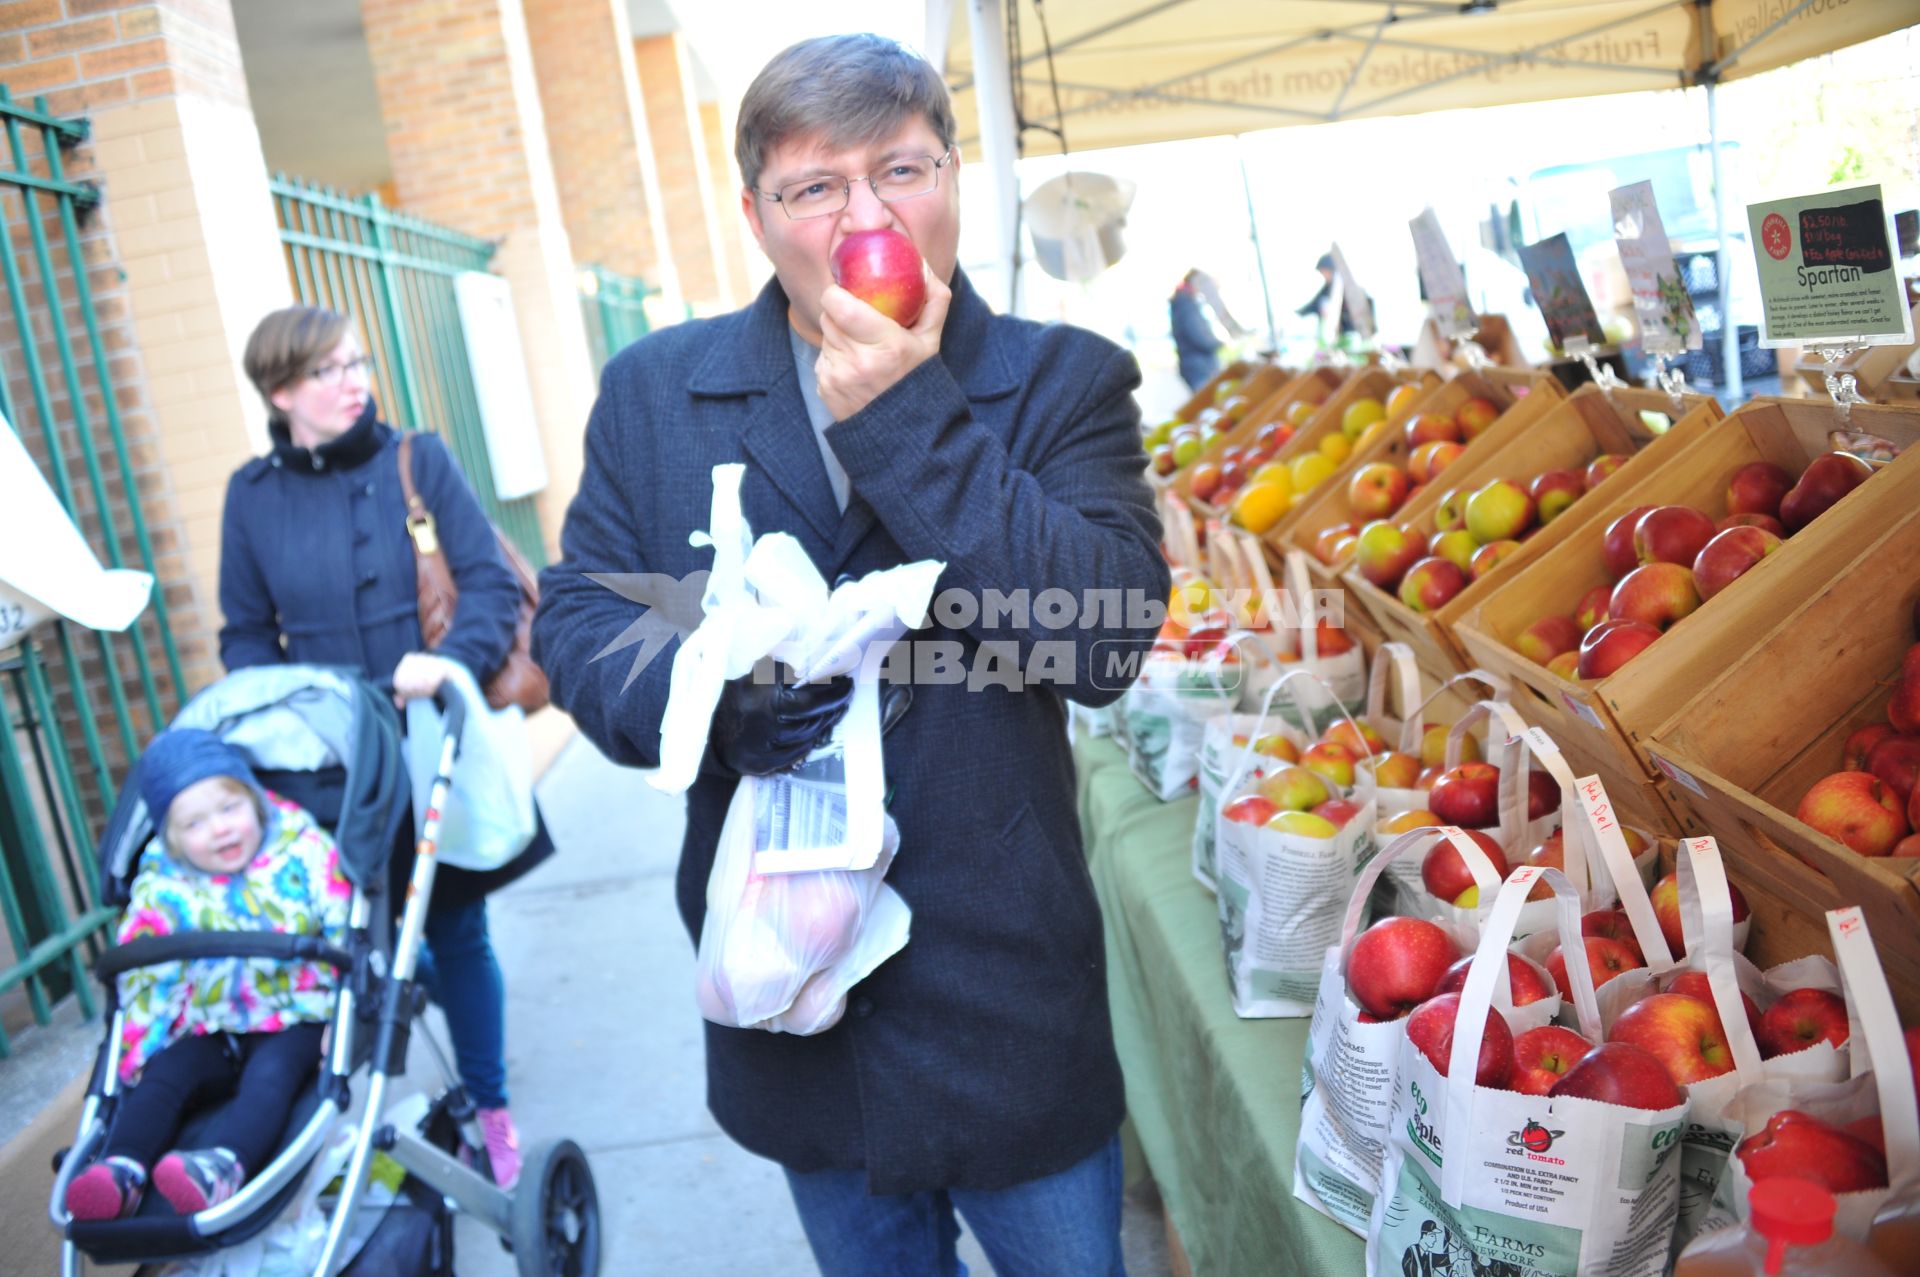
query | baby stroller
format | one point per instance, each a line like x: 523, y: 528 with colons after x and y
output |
x: 331, y: 742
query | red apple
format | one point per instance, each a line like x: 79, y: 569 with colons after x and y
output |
x: 1376, y: 490
x: 1542, y: 1056
x: 1855, y: 808
x: 1605, y: 959
x: 1270, y: 438
x: 1611, y: 644
x: 1547, y: 638
x: 1253, y: 809
x: 1693, y: 984
x: 1489, y: 556
x: 1601, y: 467
x: 1468, y: 796
x: 1896, y: 761
x: 1445, y: 872
x: 1801, y: 1018
x: 1730, y: 554
x: 883, y: 269
x: 1671, y: 534
x: 1525, y: 981
x: 1396, y: 963
x: 1612, y: 924
x: 1332, y: 763
x: 1475, y: 416
x: 1162, y: 459
x: 1498, y: 511
x: 1204, y: 480
x: 1765, y: 522
x: 1428, y: 461
x: 1555, y: 491
x: 1543, y: 795
x: 1666, y: 910
x: 1829, y: 477
x: 1617, y: 545
x: 1430, y: 1029
x: 1853, y: 755
x: 1592, y: 608
x: 1431, y: 583
x: 1566, y: 665
x: 1757, y: 488
x: 1384, y: 552
x: 1330, y: 545
x: 1359, y: 738
x: 1908, y: 846
x: 1658, y: 594
x: 1683, y: 1033
x: 1337, y: 812
x: 1620, y: 1073
x: 1798, y: 1146
x: 1903, y: 709
x: 1431, y: 427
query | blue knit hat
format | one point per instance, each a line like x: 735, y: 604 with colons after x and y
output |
x: 184, y: 756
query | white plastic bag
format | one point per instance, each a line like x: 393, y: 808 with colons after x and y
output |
x: 488, y: 817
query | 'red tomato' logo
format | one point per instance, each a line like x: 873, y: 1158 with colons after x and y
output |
x: 1776, y: 236
x: 1533, y: 1137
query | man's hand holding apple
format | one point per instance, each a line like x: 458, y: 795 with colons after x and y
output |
x: 863, y: 353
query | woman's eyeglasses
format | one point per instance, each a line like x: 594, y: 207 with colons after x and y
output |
x: 334, y: 374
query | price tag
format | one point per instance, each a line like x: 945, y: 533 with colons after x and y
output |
x: 1676, y: 775
x: 1828, y: 271
x: 1582, y: 711
x: 1660, y: 301
x: 1559, y: 291
x: 1440, y: 274
x: 1541, y: 742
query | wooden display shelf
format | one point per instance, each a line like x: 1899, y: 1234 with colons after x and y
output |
x: 1569, y: 434
x: 1872, y: 368
x: 1612, y: 717
x: 1315, y: 385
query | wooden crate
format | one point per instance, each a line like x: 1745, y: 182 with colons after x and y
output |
x: 1746, y: 746
x: 1872, y: 367
x: 1614, y: 716
x: 1315, y: 385
x: 1209, y: 390
x: 1329, y: 506
x: 1570, y: 433
x: 1259, y: 384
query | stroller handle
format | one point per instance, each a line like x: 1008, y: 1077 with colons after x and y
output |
x: 185, y: 946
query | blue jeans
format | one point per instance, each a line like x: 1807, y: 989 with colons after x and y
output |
x: 458, y: 970
x: 1065, y: 1225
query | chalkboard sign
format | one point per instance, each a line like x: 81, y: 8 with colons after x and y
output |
x: 1851, y: 235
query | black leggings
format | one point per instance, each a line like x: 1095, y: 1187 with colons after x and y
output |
x: 263, y: 1073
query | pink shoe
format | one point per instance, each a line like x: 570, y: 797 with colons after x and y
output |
x: 503, y: 1145
x: 108, y: 1189
x: 192, y: 1180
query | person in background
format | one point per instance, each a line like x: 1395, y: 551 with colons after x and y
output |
x: 1317, y: 305
x: 1194, y: 338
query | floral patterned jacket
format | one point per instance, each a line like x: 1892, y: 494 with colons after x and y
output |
x: 293, y: 885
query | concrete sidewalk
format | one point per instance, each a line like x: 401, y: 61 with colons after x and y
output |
x: 604, y: 1047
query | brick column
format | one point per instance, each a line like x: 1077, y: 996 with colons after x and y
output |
x: 748, y: 267
x: 603, y: 158
x: 468, y: 143
x: 686, y: 181
x: 183, y: 252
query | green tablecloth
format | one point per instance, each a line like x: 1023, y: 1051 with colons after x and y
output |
x: 1213, y: 1099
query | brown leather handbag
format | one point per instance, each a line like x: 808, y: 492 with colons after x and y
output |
x: 518, y: 681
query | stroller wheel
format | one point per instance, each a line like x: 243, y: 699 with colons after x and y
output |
x: 556, y: 1214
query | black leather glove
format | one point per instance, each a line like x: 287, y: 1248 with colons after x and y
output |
x: 764, y: 726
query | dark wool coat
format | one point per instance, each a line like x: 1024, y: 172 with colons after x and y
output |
x: 981, y: 1055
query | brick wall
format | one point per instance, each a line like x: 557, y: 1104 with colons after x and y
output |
x: 88, y: 54
x: 747, y: 266
x: 686, y: 182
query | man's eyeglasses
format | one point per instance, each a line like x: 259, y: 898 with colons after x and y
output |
x: 897, y: 179
x: 334, y: 374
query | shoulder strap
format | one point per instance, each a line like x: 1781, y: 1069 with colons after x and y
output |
x: 420, y: 525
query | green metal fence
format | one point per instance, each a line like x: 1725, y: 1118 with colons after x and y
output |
x: 615, y: 311
x: 394, y: 273
x: 61, y: 683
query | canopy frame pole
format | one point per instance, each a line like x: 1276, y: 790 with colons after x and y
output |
x: 987, y: 25
x: 1259, y: 257
x: 1722, y: 277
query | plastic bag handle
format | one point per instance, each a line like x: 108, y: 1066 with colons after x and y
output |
x: 1876, y: 1027
x: 1604, y: 832
x: 1706, y: 920
x: 1476, y: 999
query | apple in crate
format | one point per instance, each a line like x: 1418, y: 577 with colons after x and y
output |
x: 1616, y: 546
x: 1798, y: 1146
x: 1331, y: 545
x: 1475, y: 416
x: 1450, y: 513
x: 1671, y: 534
x: 1765, y: 522
x: 1498, y: 511
x: 1666, y: 910
x: 1801, y: 1018
x: 1385, y: 551
x: 1727, y: 557
x: 1376, y: 490
x: 1683, y: 1033
x: 1611, y: 644
x: 1620, y: 1073
x: 1592, y: 608
x: 1253, y: 809
x: 1430, y: 584
x: 1445, y: 872
x: 1896, y: 761
x: 1658, y: 594
x: 1431, y: 427
x: 1860, y: 743
x: 1489, y: 556
x: 1542, y: 1056
x: 1554, y: 492
x: 1468, y: 796
x: 1396, y: 963
x: 1526, y: 981
x: 1601, y: 468
x: 1547, y: 638
x: 1757, y: 488
x: 1857, y: 809
x: 1430, y: 460
x: 1204, y: 480
x: 1566, y: 665
x: 1430, y: 1029
x: 1827, y: 478
x: 1694, y: 985
x: 883, y: 269
x: 1360, y: 414
x: 1605, y: 958
x: 1359, y: 738
x: 1457, y: 547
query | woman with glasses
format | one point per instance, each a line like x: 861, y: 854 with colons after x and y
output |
x: 316, y: 567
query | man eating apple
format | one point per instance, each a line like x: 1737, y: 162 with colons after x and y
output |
x: 975, y: 1069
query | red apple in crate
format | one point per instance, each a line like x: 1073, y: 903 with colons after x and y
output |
x: 1498, y: 511
x: 1757, y: 488
x: 1554, y: 492
x: 1671, y: 534
x: 1457, y: 547
x: 1860, y: 743
x: 1796, y: 1145
x: 1526, y: 981
x: 1605, y: 958
x: 1489, y: 556
x: 1162, y: 459
x: 1547, y: 638
x: 1396, y: 963
x: 1430, y: 460
x: 1602, y: 467
x: 1566, y: 665
x: 1433, y: 746
x: 1450, y: 512
x: 1332, y: 763
x: 1406, y: 822
x: 1620, y: 1073
x: 1657, y: 594
x: 1896, y: 761
x: 1855, y: 808
x: 1330, y: 545
x: 1430, y: 584
x: 1592, y: 608
x: 1765, y: 522
x: 1693, y: 984
x: 1611, y: 644
x: 1376, y: 490
x: 1204, y: 480
x: 1270, y: 438
x: 1253, y: 809
x: 1445, y: 872
x: 1908, y: 846
x: 1475, y: 416
x: 1683, y: 1033
x: 1913, y: 809
x: 1431, y: 427
x: 1233, y: 473
x: 1827, y: 478
x: 1385, y: 551
x: 1666, y: 910
x: 1337, y: 812
x: 1468, y: 796
x: 1728, y: 556
x: 883, y: 269
x: 1801, y: 1018
x: 1395, y: 770
x: 1616, y: 546
x: 1430, y: 1029
x: 1359, y: 738
x: 1542, y: 1056
x: 1903, y: 710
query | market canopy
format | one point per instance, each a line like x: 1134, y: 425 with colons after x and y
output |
x: 1134, y: 71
